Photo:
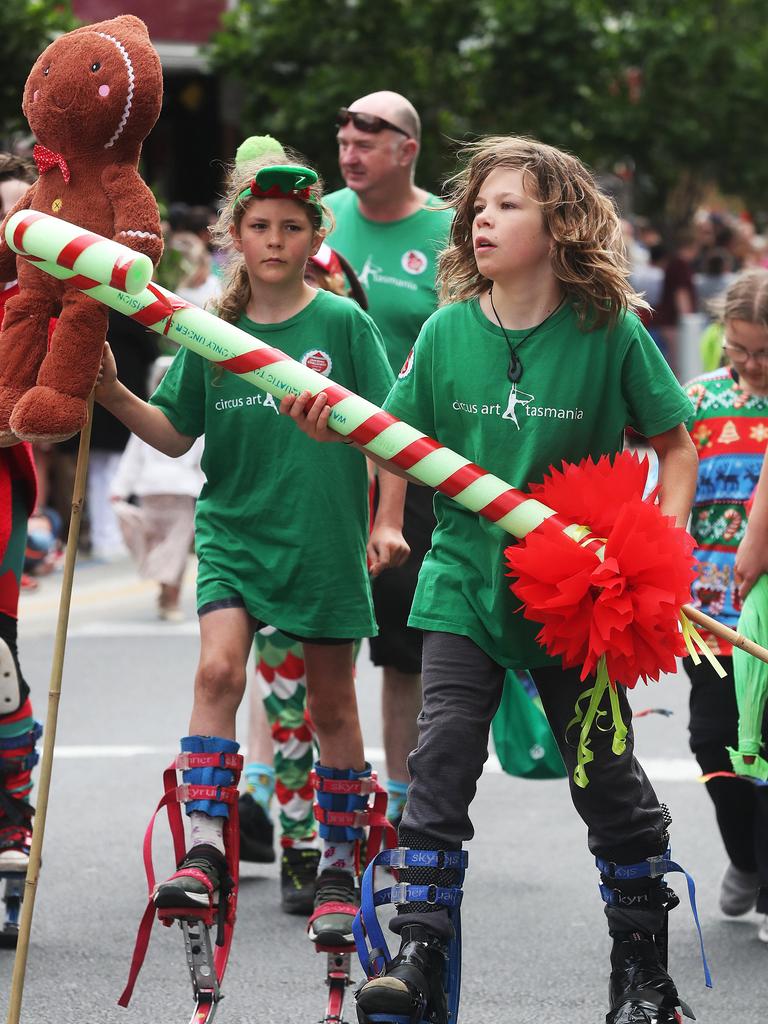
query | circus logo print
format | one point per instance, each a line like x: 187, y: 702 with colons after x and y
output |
x: 318, y: 361
x: 414, y: 262
x: 407, y: 366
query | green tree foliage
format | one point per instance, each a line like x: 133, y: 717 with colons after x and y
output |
x: 676, y: 89
x: 698, y: 118
x: 298, y: 62
x: 26, y: 28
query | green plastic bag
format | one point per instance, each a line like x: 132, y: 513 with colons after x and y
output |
x: 751, y: 682
x: 521, y: 734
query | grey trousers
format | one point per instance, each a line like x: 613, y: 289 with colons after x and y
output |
x: 462, y: 689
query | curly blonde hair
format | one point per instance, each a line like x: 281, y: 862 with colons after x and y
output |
x: 588, y: 255
x: 237, y: 290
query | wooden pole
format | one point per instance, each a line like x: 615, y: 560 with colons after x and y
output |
x: 726, y: 633
x: 49, y: 735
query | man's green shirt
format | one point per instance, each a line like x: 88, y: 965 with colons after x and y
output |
x: 396, y: 262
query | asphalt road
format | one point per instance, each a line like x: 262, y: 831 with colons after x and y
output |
x: 535, y: 942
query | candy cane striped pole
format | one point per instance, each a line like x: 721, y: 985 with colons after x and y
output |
x: 75, y: 251
x: 273, y: 371
x: 352, y: 416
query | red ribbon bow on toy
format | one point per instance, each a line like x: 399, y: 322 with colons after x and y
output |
x: 46, y: 160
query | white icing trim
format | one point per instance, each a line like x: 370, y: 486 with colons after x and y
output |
x: 131, y: 81
x: 139, y: 234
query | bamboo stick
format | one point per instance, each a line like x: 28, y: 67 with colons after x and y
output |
x: 726, y: 633
x: 49, y: 735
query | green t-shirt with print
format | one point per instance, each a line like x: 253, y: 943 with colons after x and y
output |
x: 577, y: 393
x: 283, y: 521
x: 396, y: 262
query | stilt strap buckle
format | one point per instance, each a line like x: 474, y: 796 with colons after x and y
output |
x: 403, y: 857
x: 405, y: 893
x: 185, y: 761
x: 346, y: 819
x: 655, y: 867
x: 652, y: 867
x: 346, y: 787
x: 221, y: 794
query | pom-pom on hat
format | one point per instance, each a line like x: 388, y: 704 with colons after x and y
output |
x: 256, y: 147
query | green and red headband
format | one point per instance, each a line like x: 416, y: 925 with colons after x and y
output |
x: 284, y: 181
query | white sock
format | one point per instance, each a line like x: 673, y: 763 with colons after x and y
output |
x: 338, y: 855
x: 205, y: 829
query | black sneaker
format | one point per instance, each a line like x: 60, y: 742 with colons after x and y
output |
x: 336, y: 904
x: 257, y: 833
x: 298, y: 873
x: 186, y: 888
x: 412, y: 986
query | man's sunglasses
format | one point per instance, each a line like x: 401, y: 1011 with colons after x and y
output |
x: 366, y: 122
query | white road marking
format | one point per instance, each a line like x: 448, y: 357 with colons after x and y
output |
x: 134, y: 629
x: 669, y: 769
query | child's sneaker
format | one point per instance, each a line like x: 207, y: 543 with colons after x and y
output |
x: 738, y: 891
x: 298, y: 874
x: 15, y: 842
x: 257, y: 833
x: 335, y: 908
x: 197, y: 882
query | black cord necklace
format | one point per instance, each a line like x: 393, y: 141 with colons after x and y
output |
x: 515, y: 371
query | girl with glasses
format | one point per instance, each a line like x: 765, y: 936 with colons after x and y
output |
x: 730, y: 429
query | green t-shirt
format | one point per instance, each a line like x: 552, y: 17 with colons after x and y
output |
x: 577, y: 394
x: 396, y: 264
x: 283, y: 521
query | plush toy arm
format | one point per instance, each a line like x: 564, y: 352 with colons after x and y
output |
x: 137, y: 222
x: 7, y: 255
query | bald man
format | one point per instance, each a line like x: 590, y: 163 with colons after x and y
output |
x: 391, y: 231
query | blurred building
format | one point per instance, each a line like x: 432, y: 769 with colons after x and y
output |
x: 197, y: 126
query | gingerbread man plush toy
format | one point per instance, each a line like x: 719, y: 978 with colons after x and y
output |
x: 91, y: 99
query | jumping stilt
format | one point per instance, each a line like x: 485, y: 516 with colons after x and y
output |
x: 206, y: 959
x: 423, y: 982
x: 365, y: 806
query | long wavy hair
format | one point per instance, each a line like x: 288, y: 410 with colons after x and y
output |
x: 588, y: 255
x: 236, y: 292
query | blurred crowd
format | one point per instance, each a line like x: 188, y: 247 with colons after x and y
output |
x: 683, y: 279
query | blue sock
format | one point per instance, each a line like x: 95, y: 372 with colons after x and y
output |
x: 260, y: 783
x: 396, y: 794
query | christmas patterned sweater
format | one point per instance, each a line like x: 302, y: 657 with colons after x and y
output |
x: 730, y: 430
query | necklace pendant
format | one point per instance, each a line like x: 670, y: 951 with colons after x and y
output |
x: 515, y: 371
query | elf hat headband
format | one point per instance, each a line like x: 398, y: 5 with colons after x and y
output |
x: 284, y: 181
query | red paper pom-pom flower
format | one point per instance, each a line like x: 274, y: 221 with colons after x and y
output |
x: 623, y: 606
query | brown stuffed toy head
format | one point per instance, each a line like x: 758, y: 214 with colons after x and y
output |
x: 91, y: 99
x: 98, y: 87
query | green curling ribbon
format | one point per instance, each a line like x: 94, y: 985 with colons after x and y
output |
x: 619, y: 744
x: 586, y: 720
